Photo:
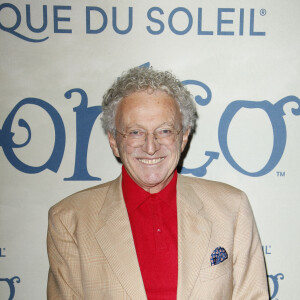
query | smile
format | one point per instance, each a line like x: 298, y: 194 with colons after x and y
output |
x: 151, y: 161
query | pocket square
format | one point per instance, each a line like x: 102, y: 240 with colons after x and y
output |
x: 218, y: 255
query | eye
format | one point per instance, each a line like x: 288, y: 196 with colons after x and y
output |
x: 164, y: 132
x: 136, y: 133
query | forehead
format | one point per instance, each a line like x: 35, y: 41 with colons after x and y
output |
x: 147, y: 108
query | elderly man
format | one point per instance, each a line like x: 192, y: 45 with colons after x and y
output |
x: 152, y: 233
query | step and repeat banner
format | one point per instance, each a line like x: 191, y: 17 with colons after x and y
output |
x: 240, y: 60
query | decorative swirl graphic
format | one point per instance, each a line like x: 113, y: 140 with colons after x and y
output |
x: 275, y: 283
x: 145, y: 65
x: 7, y: 143
x: 7, y: 137
x: 10, y: 282
x: 201, y: 171
x: 199, y: 100
x: 85, y: 119
x: 275, y: 113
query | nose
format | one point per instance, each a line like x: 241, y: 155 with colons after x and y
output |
x: 151, y: 145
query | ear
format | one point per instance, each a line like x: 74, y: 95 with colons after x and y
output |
x: 185, y: 138
x: 113, y: 144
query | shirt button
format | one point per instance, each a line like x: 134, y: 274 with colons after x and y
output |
x: 158, y: 230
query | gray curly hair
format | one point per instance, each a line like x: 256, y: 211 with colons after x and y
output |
x: 140, y: 79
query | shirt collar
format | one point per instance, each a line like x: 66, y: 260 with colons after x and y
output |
x: 134, y: 195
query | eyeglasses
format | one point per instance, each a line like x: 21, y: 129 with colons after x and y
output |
x: 137, y: 137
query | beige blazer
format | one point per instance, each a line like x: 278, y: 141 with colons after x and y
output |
x: 92, y: 254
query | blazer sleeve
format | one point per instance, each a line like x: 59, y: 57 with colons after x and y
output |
x: 249, y: 272
x: 64, y: 278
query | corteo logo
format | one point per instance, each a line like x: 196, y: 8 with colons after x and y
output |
x: 226, y: 21
x: 274, y: 284
x: 86, y: 117
x: 273, y: 281
x: 11, y: 285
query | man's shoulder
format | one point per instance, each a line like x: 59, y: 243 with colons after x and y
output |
x: 213, y: 194
x: 85, y: 200
x: 208, y: 185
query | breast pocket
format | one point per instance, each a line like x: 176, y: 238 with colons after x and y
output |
x: 214, y: 282
x: 213, y: 272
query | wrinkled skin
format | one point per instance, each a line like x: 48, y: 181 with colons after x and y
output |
x: 151, y: 165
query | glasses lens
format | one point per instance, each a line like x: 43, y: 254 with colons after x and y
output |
x: 164, y: 136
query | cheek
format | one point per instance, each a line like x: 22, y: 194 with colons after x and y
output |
x: 128, y: 151
x: 177, y: 148
x: 174, y: 153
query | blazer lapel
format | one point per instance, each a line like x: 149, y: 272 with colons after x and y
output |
x: 116, y: 241
x: 194, y: 232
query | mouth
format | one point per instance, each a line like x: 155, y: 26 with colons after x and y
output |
x: 151, y: 161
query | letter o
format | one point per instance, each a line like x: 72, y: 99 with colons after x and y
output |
x: 275, y: 115
x: 170, y: 21
x: 18, y: 15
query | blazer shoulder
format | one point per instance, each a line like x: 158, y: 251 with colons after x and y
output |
x: 83, y: 201
x: 214, y: 194
x: 216, y: 186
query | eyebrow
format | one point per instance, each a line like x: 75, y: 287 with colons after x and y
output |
x: 161, y: 125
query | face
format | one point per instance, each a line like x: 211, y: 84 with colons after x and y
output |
x: 151, y: 165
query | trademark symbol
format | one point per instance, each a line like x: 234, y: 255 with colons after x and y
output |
x: 280, y: 174
x: 263, y: 12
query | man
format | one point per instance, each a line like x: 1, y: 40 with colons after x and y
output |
x: 152, y: 233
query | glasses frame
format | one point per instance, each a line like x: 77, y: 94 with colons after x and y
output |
x: 125, y: 135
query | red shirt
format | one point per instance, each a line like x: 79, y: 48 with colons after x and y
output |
x: 153, y: 220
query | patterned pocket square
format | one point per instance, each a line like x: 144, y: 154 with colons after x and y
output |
x: 218, y: 255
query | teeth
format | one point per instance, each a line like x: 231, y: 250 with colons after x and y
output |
x: 151, y: 161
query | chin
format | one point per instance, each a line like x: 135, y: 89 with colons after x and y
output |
x: 154, y: 180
